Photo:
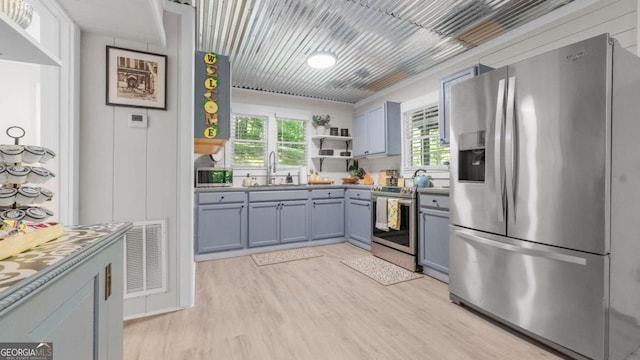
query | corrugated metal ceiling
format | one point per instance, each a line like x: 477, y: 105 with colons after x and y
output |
x: 377, y: 42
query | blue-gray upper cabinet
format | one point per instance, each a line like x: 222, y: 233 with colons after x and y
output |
x: 327, y: 214
x: 221, y: 222
x: 445, y: 96
x: 433, y: 230
x: 358, y: 217
x: 376, y: 131
x: 360, y: 135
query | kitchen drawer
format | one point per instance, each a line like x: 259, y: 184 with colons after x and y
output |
x: 278, y: 195
x: 327, y: 193
x: 221, y: 197
x: 434, y: 201
x: 359, y: 194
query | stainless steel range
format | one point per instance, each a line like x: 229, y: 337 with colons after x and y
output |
x: 398, y: 246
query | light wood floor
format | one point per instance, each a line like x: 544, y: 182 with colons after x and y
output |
x: 318, y: 309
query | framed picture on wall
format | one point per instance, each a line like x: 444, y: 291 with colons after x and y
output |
x: 136, y: 78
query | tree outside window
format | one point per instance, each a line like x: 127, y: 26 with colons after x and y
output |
x: 249, y: 140
x: 291, y: 142
x: 254, y: 136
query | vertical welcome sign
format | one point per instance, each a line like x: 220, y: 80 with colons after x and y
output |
x: 212, y: 101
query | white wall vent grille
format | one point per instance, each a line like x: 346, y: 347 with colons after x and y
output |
x: 145, y: 258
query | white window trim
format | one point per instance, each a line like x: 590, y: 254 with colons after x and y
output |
x: 410, y: 106
x: 272, y: 113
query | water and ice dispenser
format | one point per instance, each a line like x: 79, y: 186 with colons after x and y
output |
x: 471, y: 156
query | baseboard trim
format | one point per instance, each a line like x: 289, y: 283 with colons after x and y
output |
x: 361, y: 244
x: 156, y: 312
x: 244, y: 252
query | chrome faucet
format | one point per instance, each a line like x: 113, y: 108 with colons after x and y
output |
x: 270, y: 170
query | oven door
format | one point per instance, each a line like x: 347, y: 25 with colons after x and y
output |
x: 403, y: 239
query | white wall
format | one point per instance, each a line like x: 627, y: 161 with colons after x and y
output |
x: 619, y: 18
x: 129, y: 174
x: 341, y: 115
x: 20, y: 101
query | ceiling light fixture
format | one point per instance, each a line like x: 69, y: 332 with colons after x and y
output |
x: 321, y: 60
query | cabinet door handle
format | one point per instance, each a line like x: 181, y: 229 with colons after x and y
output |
x: 107, y: 282
x: 314, y: 204
x: 434, y: 201
x: 329, y: 194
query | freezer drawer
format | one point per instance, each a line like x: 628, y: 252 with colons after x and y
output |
x: 553, y: 293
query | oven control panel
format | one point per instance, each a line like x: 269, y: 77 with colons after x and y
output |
x: 392, y: 191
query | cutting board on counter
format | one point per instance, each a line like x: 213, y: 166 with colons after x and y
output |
x: 321, y: 182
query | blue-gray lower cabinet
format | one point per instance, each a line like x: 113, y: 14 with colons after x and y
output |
x: 294, y: 223
x: 264, y: 223
x: 221, y: 227
x: 327, y: 218
x: 359, y: 220
x: 79, y: 310
x: 433, y: 232
x: 275, y: 222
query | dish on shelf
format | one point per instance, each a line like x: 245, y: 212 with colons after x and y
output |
x: 17, y: 10
x: 326, y: 152
x: 3, y: 175
x: 345, y: 153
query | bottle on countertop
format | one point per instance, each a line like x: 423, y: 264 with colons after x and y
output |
x: 289, y: 178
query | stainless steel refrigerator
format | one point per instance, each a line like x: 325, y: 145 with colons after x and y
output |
x: 545, y: 188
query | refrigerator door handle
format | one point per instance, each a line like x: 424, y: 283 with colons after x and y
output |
x: 521, y: 250
x: 511, y: 145
x: 498, y: 168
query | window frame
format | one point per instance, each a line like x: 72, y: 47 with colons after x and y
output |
x: 406, y: 123
x: 272, y: 114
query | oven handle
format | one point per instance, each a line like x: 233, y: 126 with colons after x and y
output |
x: 402, y: 201
x: 406, y: 202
